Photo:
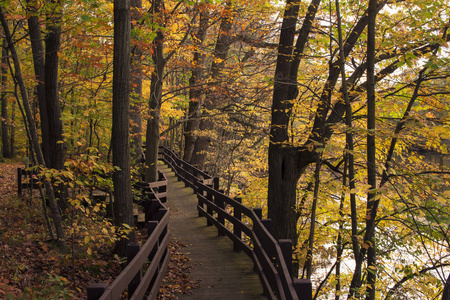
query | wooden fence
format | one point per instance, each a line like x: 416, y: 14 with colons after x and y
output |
x: 153, y: 256
x: 272, y: 259
x: 26, y: 180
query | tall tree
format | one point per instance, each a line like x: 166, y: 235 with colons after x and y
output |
x: 286, y: 161
x: 156, y: 85
x: 136, y: 84
x: 371, y: 153
x: 195, y: 83
x: 37, y: 48
x: 158, y: 17
x: 212, y: 101
x: 123, y: 199
x: 52, y: 44
x: 6, y: 150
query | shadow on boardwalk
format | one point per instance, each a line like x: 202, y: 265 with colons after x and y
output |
x: 223, y: 273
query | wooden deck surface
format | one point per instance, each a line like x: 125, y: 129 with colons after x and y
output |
x: 223, y: 273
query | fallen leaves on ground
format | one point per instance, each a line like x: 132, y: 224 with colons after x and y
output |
x: 32, y: 268
x: 177, y: 280
x: 30, y: 265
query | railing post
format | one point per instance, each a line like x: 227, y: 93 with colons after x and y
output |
x: 286, y: 250
x: 268, y: 225
x: 132, y: 251
x: 258, y: 212
x: 160, y: 214
x: 236, y: 231
x: 95, y: 290
x: 148, y: 208
x: 30, y: 173
x: 163, y: 189
x: 209, y: 210
x: 221, y: 219
x: 303, y: 288
x: 19, y: 181
x: 199, y: 203
x: 216, y: 183
x: 151, y: 226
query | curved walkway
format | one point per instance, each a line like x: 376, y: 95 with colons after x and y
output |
x: 223, y: 273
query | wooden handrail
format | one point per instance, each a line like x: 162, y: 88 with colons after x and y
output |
x: 157, y: 217
x: 272, y: 264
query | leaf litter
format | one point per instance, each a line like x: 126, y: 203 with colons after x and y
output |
x: 32, y: 268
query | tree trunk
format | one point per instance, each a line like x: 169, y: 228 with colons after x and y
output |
x: 195, y: 90
x: 12, y: 131
x: 123, y: 200
x: 372, y: 202
x: 136, y: 88
x: 446, y: 292
x: 52, y: 43
x: 223, y: 44
x: 37, y: 49
x: 286, y: 163
x: 156, y: 84
x: 33, y: 134
x: 4, y: 102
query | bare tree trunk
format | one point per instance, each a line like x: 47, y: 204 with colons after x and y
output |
x: 312, y: 229
x: 446, y: 292
x: 37, y: 49
x: 156, y: 85
x: 33, y: 133
x: 4, y: 102
x: 136, y: 89
x: 52, y: 43
x: 12, y: 131
x: 221, y: 50
x: 195, y: 90
x: 372, y: 202
x: 123, y: 200
x: 287, y: 163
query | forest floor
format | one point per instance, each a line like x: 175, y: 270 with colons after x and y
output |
x: 32, y: 268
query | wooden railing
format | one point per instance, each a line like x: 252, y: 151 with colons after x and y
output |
x: 26, y: 179
x: 153, y: 255
x: 272, y: 259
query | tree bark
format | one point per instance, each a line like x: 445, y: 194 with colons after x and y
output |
x: 446, y: 292
x: 6, y: 150
x: 156, y: 85
x: 212, y: 100
x: 123, y: 200
x: 136, y: 88
x: 37, y: 48
x: 55, y: 126
x: 195, y: 90
x: 372, y: 202
x: 286, y: 162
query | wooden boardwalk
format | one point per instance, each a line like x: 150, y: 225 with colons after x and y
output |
x: 223, y: 273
